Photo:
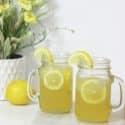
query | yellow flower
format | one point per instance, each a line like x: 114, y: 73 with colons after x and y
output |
x: 4, y: 7
x: 1, y: 8
x: 30, y: 17
x: 25, y: 4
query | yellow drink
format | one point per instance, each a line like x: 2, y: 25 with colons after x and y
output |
x: 56, y: 88
x: 93, y: 99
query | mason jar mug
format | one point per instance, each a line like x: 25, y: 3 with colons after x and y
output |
x: 93, y: 92
x: 55, y: 94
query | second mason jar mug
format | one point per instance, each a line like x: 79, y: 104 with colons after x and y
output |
x: 55, y: 94
x: 93, y: 92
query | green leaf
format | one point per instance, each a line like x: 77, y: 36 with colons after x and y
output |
x: 1, y: 36
x: 9, y: 21
x: 39, y: 3
x: 15, y: 40
x: 7, y: 48
x: 24, y: 37
x: 44, y: 34
x: 13, y: 47
x: 1, y: 23
x: 1, y: 40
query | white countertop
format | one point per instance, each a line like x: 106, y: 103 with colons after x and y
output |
x: 31, y: 115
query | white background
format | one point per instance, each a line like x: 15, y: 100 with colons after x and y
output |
x: 99, y: 28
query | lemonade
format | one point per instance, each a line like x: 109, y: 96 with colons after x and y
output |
x: 55, y: 82
x: 93, y: 99
x: 56, y: 88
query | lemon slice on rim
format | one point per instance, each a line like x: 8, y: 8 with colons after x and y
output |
x: 81, y: 58
x: 53, y: 80
x: 93, y: 91
x: 44, y: 54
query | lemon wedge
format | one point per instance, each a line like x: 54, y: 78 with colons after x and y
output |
x: 44, y: 54
x: 93, y: 91
x: 81, y: 58
x: 53, y: 80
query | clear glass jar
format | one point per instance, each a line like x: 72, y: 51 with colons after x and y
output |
x: 55, y: 85
x: 93, y: 92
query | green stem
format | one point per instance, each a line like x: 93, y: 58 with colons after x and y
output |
x: 33, y: 44
x: 40, y: 4
x: 42, y: 14
x: 65, y: 29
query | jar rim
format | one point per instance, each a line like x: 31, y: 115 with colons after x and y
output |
x: 98, y: 63
x: 101, y: 60
x: 61, y: 57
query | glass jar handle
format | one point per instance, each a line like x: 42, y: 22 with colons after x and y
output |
x: 121, y: 102
x: 32, y: 97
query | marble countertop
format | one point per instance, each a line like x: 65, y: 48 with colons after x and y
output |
x: 31, y: 115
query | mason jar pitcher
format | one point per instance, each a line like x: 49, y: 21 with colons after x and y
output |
x: 93, y: 92
x: 55, y: 94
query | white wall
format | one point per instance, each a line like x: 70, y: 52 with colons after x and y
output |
x: 99, y: 29
x: 99, y: 26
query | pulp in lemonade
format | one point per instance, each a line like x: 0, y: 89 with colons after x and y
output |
x: 56, y: 88
x: 93, y: 99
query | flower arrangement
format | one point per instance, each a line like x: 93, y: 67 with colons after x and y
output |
x: 16, y: 21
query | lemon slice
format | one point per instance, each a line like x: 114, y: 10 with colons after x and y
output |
x: 44, y: 54
x: 81, y: 58
x: 53, y: 80
x: 93, y: 91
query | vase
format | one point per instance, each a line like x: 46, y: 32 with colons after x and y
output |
x: 10, y: 69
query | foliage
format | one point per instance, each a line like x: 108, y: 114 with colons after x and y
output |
x: 15, y: 25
